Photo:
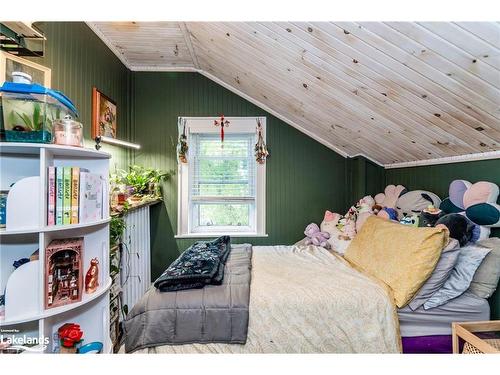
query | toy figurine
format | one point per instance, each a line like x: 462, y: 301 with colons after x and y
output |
x: 92, y: 277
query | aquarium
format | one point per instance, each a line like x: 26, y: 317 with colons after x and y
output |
x: 29, y: 111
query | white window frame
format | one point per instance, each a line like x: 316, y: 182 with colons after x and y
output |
x: 206, y: 125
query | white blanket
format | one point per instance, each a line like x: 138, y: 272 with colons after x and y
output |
x: 307, y: 300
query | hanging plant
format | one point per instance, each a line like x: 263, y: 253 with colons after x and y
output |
x: 261, y: 152
x: 182, y: 146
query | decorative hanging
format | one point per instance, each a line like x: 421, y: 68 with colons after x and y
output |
x: 222, y: 123
x: 182, y: 146
x: 261, y: 152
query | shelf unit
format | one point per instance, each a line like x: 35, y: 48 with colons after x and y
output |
x: 17, y: 161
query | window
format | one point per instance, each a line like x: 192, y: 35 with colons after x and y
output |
x: 221, y: 187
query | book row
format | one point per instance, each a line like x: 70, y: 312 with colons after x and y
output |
x: 75, y: 196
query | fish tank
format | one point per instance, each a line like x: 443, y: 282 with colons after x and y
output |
x: 29, y: 110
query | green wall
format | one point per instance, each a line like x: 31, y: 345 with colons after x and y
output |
x: 304, y: 178
x: 79, y: 60
x: 437, y: 178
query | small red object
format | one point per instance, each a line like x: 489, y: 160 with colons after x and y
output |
x: 70, y: 334
x: 222, y: 123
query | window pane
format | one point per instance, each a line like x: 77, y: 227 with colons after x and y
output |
x: 224, y: 178
x: 223, y: 214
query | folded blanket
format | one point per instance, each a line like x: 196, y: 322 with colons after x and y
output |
x: 201, y: 264
x: 213, y: 314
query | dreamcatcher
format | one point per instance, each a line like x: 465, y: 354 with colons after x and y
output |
x: 182, y: 146
x: 222, y: 122
x: 261, y: 152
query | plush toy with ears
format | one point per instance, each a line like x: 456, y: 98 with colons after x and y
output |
x: 315, y: 236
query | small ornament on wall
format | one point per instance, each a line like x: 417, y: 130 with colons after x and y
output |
x: 261, y: 151
x: 222, y: 122
x: 92, y: 277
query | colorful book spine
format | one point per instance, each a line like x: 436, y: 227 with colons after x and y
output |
x: 75, y: 194
x: 67, y: 195
x: 51, y: 196
x: 59, y: 195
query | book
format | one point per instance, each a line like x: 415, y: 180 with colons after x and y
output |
x: 91, y: 197
x: 51, y: 196
x: 75, y: 194
x: 67, y: 195
x: 59, y: 195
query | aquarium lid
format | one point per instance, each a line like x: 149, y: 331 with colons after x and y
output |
x: 35, y: 88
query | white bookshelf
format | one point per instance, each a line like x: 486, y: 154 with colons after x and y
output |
x: 19, y: 161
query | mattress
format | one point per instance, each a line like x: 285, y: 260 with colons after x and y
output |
x: 306, y: 300
x: 437, y: 321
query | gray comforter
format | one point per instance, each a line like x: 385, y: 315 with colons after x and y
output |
x: 213, y: 314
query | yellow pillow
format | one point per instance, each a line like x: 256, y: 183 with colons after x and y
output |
x: 401, y: 256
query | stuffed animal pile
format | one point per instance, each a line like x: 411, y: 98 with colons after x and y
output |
x: 469, y: 212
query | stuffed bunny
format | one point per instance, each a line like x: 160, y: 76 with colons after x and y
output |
x: 315, y: 236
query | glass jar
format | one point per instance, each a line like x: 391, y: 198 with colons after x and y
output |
x: 68, y: 132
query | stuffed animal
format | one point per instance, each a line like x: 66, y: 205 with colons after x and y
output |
x: 477, y: 202
x: 413, y: 202
x: 459, y: 226
x: 315, y: 236
x: 430, y: 216
x: 390, y: 195
x: 337, y: 240
x: 413, y: 220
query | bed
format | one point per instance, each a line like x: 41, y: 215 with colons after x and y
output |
x: 308, y: 300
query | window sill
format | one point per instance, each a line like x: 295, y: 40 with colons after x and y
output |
x: 211, y: 235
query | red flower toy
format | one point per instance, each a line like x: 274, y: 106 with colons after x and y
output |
x: 70, y: 334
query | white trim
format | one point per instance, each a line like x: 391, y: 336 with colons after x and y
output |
x: 215, y: 234
x: 446, y: 160
x: 93, y: 26
x: 205, y: 125
x: 182, y: 69
x: 368, y: 158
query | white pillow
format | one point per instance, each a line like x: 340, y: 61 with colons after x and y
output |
x: 468, y: 262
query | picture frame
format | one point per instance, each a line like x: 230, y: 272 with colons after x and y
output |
x: 104, y: 111
x: 10, y: 63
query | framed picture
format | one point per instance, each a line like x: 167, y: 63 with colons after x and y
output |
x: 10, y: 63
x: 103, y: 115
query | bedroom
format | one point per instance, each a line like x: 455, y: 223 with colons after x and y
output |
x: 340, y: 178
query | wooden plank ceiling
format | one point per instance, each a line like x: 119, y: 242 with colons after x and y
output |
x: 392, y: 91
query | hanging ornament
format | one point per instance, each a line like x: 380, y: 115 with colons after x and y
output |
x: 182, y: 146
x: 261, y: 152
x: 222, y: 123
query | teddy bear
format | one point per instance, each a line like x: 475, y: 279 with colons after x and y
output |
x: 315, y: 236
x: 477, y: 202
x: 413, y: 202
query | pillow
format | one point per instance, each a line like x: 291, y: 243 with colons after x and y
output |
x: 401, y: 256
x: 461, y: 276
x: 485, y: 280
x: 445, y: 265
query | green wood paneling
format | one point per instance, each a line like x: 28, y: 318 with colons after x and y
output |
x: 437, y: 178
x: 304, y: 178
x: 80, y: 60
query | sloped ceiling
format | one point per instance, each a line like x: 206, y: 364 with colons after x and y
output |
x: 394, y: 91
